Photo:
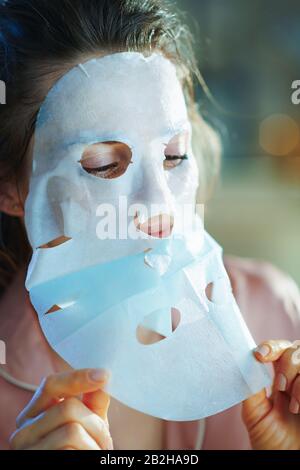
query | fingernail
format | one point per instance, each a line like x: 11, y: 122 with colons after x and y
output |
x: 281, y: 382
x: 294, y: 406
x: 98, y: 375
x: 263, y: 350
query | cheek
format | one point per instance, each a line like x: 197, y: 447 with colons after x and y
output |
x: 183, y: 182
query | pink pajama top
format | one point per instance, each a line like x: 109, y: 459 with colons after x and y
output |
x: 269, y: 302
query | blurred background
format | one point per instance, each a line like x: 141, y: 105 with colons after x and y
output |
x: 249, y: 55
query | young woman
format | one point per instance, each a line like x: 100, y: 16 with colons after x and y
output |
x: 39, y: 42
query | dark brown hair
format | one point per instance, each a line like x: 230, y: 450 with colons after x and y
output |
x: 39, y: 41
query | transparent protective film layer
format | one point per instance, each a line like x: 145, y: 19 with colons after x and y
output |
x: 200, y: 368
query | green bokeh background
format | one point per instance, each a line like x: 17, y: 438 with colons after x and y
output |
x: 249, y: 54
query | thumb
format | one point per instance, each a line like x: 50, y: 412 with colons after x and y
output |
x: 255, y: 409
x: 98, y: 402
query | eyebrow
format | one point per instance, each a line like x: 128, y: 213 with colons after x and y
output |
x: 177, y: 128
x: 184, y: 127
x: 180, y: 127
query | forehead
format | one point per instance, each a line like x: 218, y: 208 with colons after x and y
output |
x: 120, y: 94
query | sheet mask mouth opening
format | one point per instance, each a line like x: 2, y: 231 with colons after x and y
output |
x: 158, y: 226
x: 153, y: 331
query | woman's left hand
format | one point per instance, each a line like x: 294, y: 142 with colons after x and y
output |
x: 274, y: 422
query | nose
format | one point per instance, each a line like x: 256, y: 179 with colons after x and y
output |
x: 156, y: 216
x: 160, y: 226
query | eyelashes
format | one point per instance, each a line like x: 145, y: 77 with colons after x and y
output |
x: 172, y: 161
x: 106, y: 171
x: 113, y: 170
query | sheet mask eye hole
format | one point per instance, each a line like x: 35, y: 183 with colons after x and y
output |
x: 107, y: 160
x: 176, y: 150
x: 218, y: 291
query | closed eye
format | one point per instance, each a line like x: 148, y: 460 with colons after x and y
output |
x: 172, y: 161
x: 102, y: 169
x: 176, y: 150
x: 106, y: 160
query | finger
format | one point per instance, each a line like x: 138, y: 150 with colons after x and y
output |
x: 272, y: 350
x: 98, y: 402
x: 71, y: 410
x: 70, y: 436
x: 286, y: 371
x: 58, y: 386
x: 295, y: 397
x: 255, y: 408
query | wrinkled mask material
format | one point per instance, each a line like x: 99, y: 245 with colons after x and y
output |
x: 116, y: 128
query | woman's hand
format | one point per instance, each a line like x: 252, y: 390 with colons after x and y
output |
x: 57, y: 419
x: 274, y: 422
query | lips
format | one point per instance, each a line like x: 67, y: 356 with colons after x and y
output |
x: 159, y: 226
x: 161, y: 233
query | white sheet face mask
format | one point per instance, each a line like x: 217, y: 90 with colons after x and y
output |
x: 94, y: 296
x: 123, y: 98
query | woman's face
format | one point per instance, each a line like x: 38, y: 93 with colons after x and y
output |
x: 113, y: 136
x: 128, y: 131
x: 111, y: 130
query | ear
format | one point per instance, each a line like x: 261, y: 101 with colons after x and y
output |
x: 10, y: 202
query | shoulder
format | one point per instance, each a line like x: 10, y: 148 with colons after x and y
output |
x: 268, y: 298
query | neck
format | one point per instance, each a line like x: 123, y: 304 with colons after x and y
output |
x: 28, y: 356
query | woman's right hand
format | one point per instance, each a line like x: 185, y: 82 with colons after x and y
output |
x: 57, y: 419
